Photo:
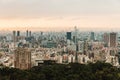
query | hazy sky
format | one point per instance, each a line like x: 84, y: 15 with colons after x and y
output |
x: 60, y: 14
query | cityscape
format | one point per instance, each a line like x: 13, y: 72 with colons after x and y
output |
x: 27, y: 49
x: 59, y: 40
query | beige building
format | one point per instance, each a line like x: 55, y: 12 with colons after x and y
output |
x: 106, y: 38
x: 113, y: 40
x: 22, y: 58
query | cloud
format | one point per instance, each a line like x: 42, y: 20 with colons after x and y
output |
x: 40, y: 8
x: 6, y: 1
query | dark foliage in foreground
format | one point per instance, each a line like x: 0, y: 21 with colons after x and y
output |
x: 73, y: 71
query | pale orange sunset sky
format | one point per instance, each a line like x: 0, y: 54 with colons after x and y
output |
x: 59, y: 15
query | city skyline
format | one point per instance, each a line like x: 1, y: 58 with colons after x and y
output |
x: 46, y: 15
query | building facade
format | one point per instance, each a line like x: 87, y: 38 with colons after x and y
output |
x: 106, y: 39
x: 22, y: 58
x: 113, y: 40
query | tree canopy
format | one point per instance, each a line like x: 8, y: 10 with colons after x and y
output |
x: 72, y: 71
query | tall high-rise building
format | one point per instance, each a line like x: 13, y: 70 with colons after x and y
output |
x: 85, y: 47
x: 92, y: 36
x: 30, y: 34
x: 14, y: 33
x: 106, y: 38
x: 18, y: 33
x: 69, y: 35
x: 27, y: 33
x: 113, y: 40
x: 22, y: 58
x: 76, y: 42
x: 14, y: 37
x: 74, y: 39
x: 41, y: 33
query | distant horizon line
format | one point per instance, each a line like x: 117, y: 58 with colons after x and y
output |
x: 58, y: 29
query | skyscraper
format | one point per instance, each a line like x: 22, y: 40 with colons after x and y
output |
x: 113, y: 40
x: 74, y: 39
x: 76, y: 42
x: 22, y: 58
x: 92, y: 36
x: 27, y: 33
x: 85, y: 47
x: 106, y: 38
x: 14, y: 37
x: 30, y: 34
x: 18, y: 33
x: 69, y: 35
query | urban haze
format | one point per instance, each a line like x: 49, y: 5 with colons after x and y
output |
x: 59, y: 40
